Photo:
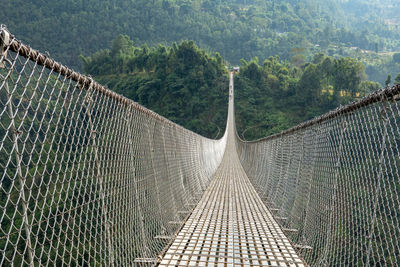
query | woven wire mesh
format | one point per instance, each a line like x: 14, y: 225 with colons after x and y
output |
x: 335, y: 182
x: 87, y: 176
x: 91, y: 178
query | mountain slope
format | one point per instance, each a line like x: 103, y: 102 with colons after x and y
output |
x: 236, y: 28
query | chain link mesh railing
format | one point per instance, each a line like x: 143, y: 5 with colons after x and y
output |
x: 334, y: 182
x: 88, y: 177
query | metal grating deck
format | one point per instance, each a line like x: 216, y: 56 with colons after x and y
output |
x: 231, y: 226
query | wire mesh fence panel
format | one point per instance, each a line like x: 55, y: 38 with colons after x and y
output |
x: 88, y: 177
x: 336, y: 182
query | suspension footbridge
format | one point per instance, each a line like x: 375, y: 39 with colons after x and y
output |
x: 230, y: 225
x: 91, y: 178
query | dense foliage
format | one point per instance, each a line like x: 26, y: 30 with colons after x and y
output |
x: 276, y: 95
x: 236, y: 29
x: 182, y: 82
x: 189, y: 86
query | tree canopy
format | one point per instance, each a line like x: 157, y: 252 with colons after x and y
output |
x: 181, y: 82
x: 236, y: 28
x: 189, y: 86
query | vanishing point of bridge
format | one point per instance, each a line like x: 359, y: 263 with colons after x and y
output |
x: 91, y: 178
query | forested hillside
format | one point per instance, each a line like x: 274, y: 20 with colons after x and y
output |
x: 189, y: 86
x: 295, y: 30
x: 182, y: 82
x: 274, y: 95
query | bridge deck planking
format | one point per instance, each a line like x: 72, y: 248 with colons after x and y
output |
x: 231, y: 226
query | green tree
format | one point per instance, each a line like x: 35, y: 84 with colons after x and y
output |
x: 388, y: 80
x: 309, y: 86
x: 349, y: 73
x: 367, y: 87
x: 397, y: 79
x: 122, y: 45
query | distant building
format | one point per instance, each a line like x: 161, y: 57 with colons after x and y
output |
x: 236, y: 69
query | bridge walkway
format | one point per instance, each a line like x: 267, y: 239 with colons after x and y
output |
x: 231, y: 226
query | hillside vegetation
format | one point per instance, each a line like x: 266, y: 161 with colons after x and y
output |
x: 189, y: 86
x: 182, y: 82
x: 295, y: 30
x: 299, y: 59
